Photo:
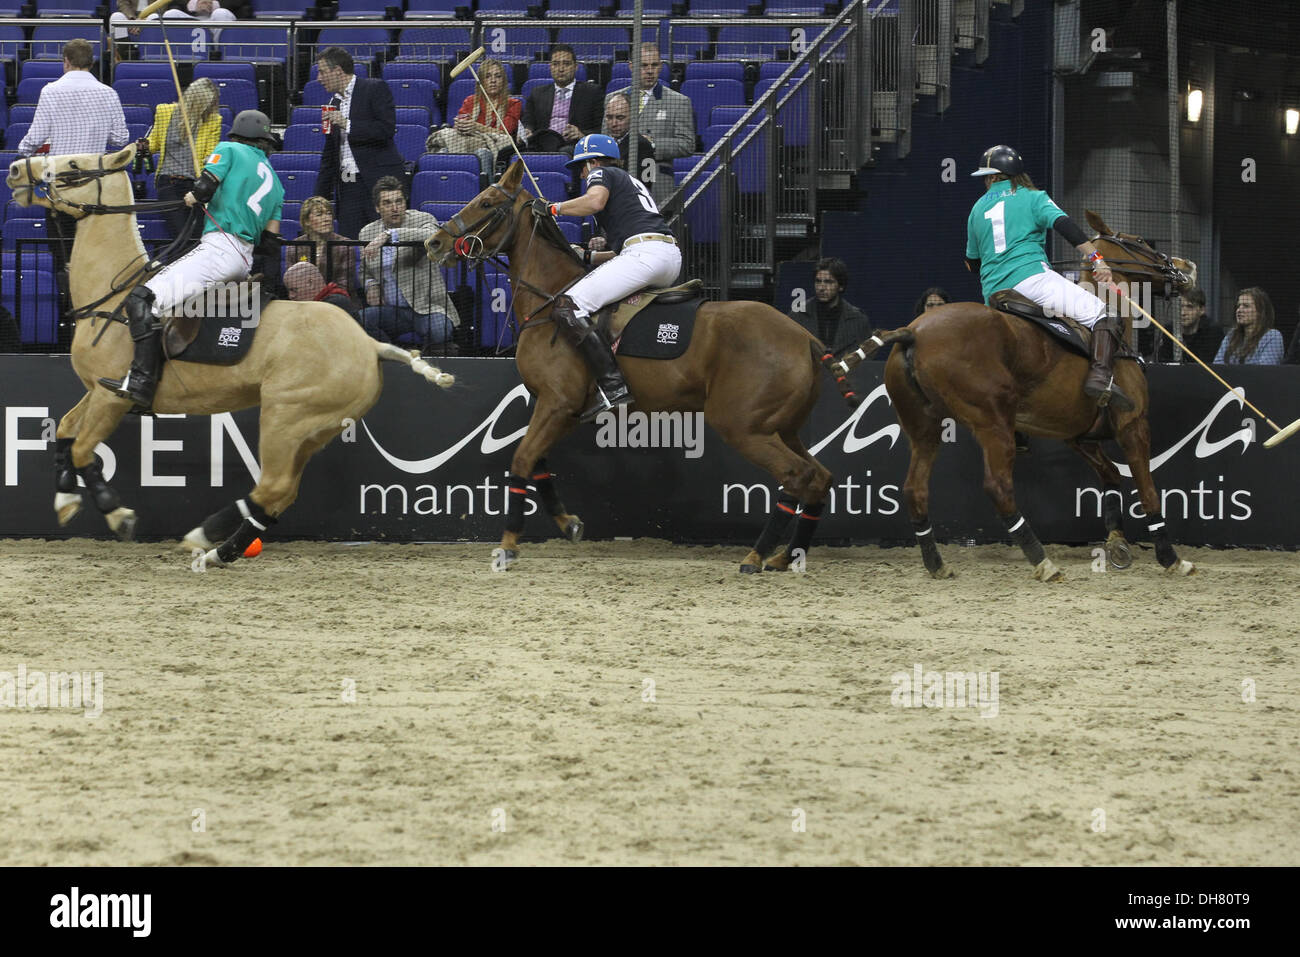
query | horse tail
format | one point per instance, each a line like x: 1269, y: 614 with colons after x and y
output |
x: 387, y: 352
x: 840, y: 369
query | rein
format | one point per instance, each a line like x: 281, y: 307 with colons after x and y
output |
x: 1162, y: 264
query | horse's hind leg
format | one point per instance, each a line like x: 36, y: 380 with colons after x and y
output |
x: 923, y: 434
x: 999, y: 445
x: 811, y: 505
x: 1134, y: 438
x: 571, y: 526
x: 778, y: 522
x: 1118, y: 552
x: 89, y: 422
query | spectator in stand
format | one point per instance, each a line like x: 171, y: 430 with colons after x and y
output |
x: 934, y: 296
x: 316, y: 225
x: 75, y: 114
x: 405, y: 293
x: 124, y: 32
x: 1200, y: 334
x: 359, y: 150
x: 306, y: 284
x: 176, y: 164
x: 666, y: 118
x: 838, y: 323
x: 1253, y: 341
x: 477, y: 127
x: 559, y: 114
x: 618, y: 116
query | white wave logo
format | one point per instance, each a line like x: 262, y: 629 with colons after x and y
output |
x: 1205, y: 446
x: 490, y: 443
x: 852, y: 441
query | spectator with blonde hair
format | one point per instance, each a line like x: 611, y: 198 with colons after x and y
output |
x: 316, y: 225
x: 176, y: 164
x: 477, y: 126
x: 1253, y: 341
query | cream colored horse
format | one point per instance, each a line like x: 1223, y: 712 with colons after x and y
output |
x: 311, y: 367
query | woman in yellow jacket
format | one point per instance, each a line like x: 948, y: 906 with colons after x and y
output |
x: 176, y: 164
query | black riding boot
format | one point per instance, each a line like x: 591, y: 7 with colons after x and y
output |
x: 1100, y: 384
x: 611, y: 388
x: 142, y: 379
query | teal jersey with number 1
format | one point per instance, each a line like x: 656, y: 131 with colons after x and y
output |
x: 250, y: 195
x: 1007, y: 232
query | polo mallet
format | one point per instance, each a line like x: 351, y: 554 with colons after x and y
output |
x: 1282, y: 433
x: 147, y: 12
x: 468, y: 64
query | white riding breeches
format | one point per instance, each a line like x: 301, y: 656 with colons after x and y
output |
x: 219, y: 257
x: 649, y: 263
x: 1060, y: 297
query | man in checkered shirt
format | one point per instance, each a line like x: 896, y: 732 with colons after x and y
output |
x: 76, y: 114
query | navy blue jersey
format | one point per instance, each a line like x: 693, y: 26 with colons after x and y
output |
x: 630, y: 211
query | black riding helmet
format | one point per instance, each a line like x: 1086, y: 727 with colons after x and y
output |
x: 1000, y: 159
x: 255, y: 125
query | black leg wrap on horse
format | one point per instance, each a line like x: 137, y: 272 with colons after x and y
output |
x: 929, y: 549
x: 778, y: 523
x: 65, y: 476
x: 1024, y: 536
x: 103, y: 494
x: 516, y: 500
x: 219, y: 526
x: 255, y: 523
x: 1165, y: 553
x: 1112, y: 508
x: 805, y: 525
x: 543, y: 482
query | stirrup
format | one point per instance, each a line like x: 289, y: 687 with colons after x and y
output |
x: 135, y: 386
x: 606, y: 402
x: 1111, y: 396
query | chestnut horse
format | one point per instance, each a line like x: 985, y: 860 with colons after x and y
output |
x: 310, y: 367
x: 996, y: 373
x: 754, y: 372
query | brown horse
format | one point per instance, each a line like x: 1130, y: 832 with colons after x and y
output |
x: 755, y: 373
x: 311, y: 367
x: 996, y: 373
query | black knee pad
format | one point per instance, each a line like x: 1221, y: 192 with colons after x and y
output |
x: 65, y: 476
x: 516, y: 500
x: 103, y: 494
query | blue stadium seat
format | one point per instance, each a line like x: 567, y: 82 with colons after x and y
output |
x: 547, y: 163
x: 297, y: 184
x: 751, y: 165
x: 457, y: 90
x: 649, y: 8
x: 433, y: 43
x: 499, y: 7
x: 706, y: 94
x: 188, y: 43
x: 433, y: 9
x: 364, y: 43
x: 226, y: 71
x: 594, y: 44
x: 442, y: 211
x: 304, y: 114
x: 795, y: 8
x: 48, y: 41
x: 14, y: 134
x: 727, y: 115
x: 715, y: 70
x: 29, y: 227
x: 448, y: 162
x: 752, y: 43
x: 793, y: 117
x: 38, y: 315
x: 413, y: 116
x: 702, y: 218
x: 290, y: 213
x: 137, y: 70
x: 413, y: 70
x: 13, y: 42
x: 22, y: 112
x: 688, y: 43
x: 361, y: 10
x: 414, y: 93
x: 152, y: 230
x: 145, y: 92
x: 574, y: 8
x: 444, y: 187
x: 138, y: 130
x: 298, y: 162
x: 239, y: 95
x: 719, y: 8
x: 555, y: 187
x: 65, y: 8
x: 254, y: 45
x: 410, y: 141
x: 51, y: 68
x: 511, y: 42
x: 314, y: 94
x: 772, y: 69
x: 279, y: 9
x: 304, y: 139
x: 136, y: 113
x: 29, y: 90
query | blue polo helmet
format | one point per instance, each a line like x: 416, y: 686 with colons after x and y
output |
x: 594, y: 145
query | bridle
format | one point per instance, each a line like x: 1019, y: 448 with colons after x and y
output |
x: 49, y: 188
x: 1154, y: 261
x: 467, y: 242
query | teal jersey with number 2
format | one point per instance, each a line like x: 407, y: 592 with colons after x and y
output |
x: 1006, y: 232
x: 250, y: 195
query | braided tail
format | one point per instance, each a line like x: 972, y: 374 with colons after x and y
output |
x: 840, y: 368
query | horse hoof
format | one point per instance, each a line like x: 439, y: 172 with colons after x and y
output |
x: 1181, y: 567
x: 777, y: 565
x: 195, y: 538
x: 1045, y: 571
x: 750, y: 569
x: 122, y: 522
x: 66, y: 506
x: 574, y: 529
x: 209, y: 559
x: 503, y: 558
x: 942, y: 572
x: 1118, y: 553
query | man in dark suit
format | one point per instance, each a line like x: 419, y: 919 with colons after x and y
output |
x: 558, y: 115
x: 359, y: 150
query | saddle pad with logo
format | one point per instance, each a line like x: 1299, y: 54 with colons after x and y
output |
x: 659, y: 331
x: 216, y: 326
x: 219, y: 342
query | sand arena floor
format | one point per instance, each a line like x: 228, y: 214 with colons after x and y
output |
x: 390, y: 704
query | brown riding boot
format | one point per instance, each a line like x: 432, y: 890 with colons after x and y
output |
x: 1100, y: 383
x: 611, y: 387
